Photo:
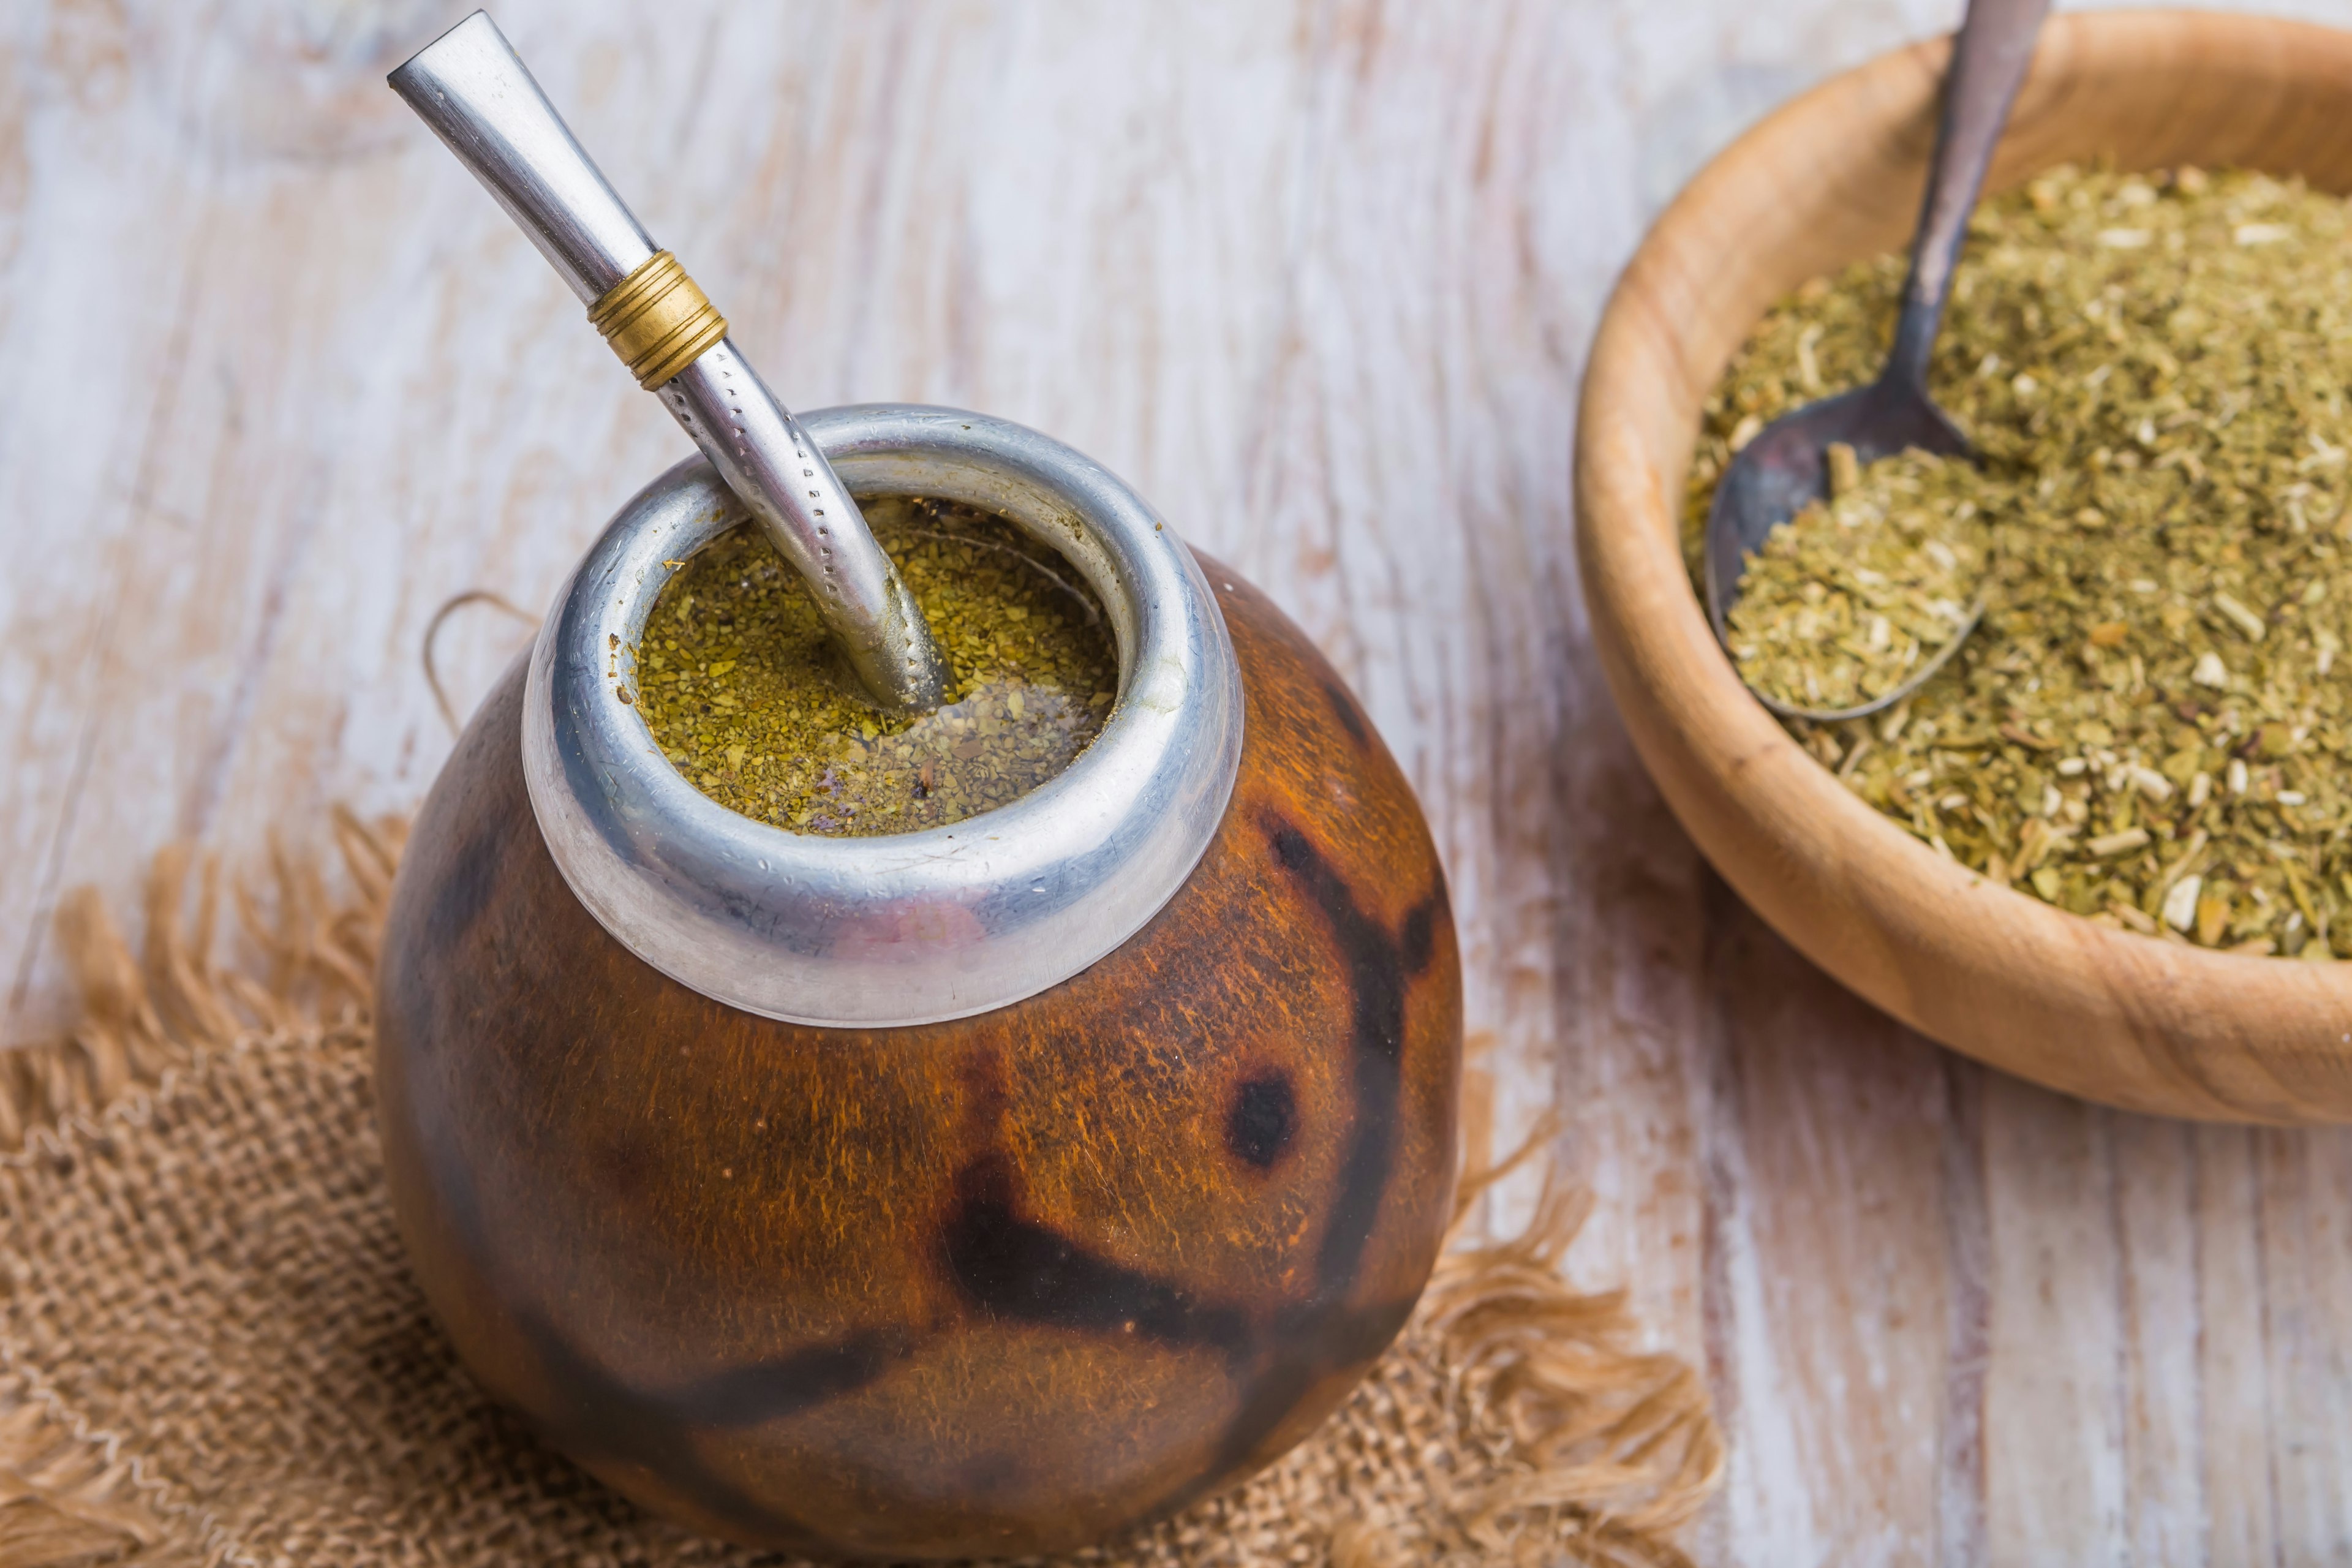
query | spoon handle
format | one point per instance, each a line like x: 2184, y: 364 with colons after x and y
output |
x: 475, y: 92
x: 1989, y: 62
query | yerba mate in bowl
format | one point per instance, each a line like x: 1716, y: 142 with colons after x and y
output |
x: 2091, y: 1006
x: 2149, y: 728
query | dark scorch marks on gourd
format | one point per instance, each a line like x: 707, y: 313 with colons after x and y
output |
x: 1004, y: 1263
x: 604, y: 1419
x: 1011, y: 1267
x: 1317, y: 1337
x: 1380, y: 968
x: 472, y: 877
x: 1262, y: 1119
x: 784, y: 1385
x: 600, y: 1417
x: 1351, y: 718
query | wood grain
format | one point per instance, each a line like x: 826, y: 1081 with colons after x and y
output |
x: 1319, y: 278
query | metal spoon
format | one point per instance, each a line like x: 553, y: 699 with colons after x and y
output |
x: 472, y: 89
x: 1781, y: 469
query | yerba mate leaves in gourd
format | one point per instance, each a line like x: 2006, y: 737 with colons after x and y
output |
x: 2150, y: 727
x: 746, y: 697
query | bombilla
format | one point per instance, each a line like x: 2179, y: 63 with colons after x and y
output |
x: 475, y: 92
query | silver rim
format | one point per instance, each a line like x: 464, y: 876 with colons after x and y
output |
x: 917, y: 927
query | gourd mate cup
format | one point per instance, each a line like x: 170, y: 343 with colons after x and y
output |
x: 1831, y: 178
x: 981, y: 1190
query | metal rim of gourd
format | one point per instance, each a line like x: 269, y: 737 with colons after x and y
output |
x: 912, y: 927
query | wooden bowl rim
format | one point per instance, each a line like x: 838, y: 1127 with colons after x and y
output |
x: 1676, y: 688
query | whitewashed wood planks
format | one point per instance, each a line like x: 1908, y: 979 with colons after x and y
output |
x: 1319, y: 279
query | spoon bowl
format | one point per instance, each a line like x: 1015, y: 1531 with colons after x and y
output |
x: 1772, y: 477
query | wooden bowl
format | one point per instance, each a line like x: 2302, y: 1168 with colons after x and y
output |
x: 1831, y: 178
x: 1000, y: 1285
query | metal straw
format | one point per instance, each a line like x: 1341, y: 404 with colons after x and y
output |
x: 475, y: 92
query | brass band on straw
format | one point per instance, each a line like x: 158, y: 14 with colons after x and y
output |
x: 657, y: 320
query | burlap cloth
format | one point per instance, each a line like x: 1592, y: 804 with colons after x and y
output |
x: 211, y: 1351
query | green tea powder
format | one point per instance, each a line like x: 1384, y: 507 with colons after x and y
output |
x: 746, y: 696
x: 2150, y: 726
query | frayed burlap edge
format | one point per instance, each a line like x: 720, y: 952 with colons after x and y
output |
x: 1599, y: 1453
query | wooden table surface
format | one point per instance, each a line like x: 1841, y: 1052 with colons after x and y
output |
x: 1317, y: 278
